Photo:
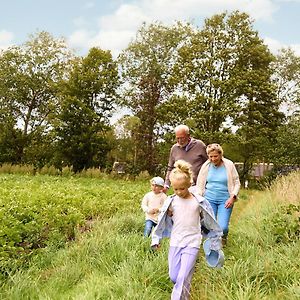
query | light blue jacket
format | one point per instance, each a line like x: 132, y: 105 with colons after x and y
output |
x: 210, y: 229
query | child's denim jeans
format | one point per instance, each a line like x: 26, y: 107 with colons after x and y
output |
x: 149, y: 224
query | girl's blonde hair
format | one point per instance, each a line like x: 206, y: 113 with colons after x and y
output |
x: 182, y: 170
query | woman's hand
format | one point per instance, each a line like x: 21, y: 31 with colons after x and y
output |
x: 229, y: 203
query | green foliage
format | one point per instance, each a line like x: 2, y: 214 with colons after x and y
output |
x: 113, y: 261
x: 11, y: 142
x: 286, y: 76
x: 126, y: 132
x: 41, y: 211
x: 288, y: 147
x: 41, y: 111
x: 55, y: 108
x: 87, y: 100
x: 285, y: 223
x: 147, y: 71
x: 256, y: 267
x: 29, y: 78
x: 93, y: 80
x: 82, y: 138
x: 209, y: 78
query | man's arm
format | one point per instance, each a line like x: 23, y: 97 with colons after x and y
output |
x: 169, y: 169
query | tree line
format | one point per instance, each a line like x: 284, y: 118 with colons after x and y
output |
x: 221, y: 80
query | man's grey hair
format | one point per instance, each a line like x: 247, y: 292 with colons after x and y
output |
x: 182, y: 127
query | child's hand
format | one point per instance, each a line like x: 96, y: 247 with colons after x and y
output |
x: 153, y: 210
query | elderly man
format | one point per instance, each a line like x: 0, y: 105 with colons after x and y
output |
x: 187, y: 148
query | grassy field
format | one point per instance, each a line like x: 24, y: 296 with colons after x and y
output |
x: 106, y: 256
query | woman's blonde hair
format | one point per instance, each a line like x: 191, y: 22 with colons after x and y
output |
x: 214, y: 147
x: 182, y: 170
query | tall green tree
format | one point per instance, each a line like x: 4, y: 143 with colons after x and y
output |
x: 146, y: 67
x: 286, y: 76
x: 87, y: 101
x: 226, y: 81
x: 214, y: 65
x: 287, y: 150
x: 29, y: 79
x: 257, y: 115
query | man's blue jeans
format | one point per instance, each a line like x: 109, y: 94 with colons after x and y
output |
x: 149, y: 224
x: 222, y: 215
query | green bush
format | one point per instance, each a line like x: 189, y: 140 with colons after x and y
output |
x: 284, y: 223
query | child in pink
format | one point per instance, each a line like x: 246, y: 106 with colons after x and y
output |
x: 181, y: 219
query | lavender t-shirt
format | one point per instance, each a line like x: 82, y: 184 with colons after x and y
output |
x: 186, y: 229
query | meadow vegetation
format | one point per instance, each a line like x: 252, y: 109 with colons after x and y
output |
x: 95, y: 249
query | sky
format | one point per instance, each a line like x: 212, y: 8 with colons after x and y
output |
x: 112, y: 24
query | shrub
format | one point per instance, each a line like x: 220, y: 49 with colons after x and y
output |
x: 284, y: 224
x: 51, y: 170
x: 67, y: 171
x: 17, y: 169
x: 143, y: 175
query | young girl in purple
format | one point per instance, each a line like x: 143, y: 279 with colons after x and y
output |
x: 185, y: 210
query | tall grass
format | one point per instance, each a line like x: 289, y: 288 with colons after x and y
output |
x: 17, y: 169
x: 257, y: 265
x: 113, y: 261
x: 287, y: 189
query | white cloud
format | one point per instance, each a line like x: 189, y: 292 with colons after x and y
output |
x: 6, y: 39
x: 260, y: 10
x: 189, y: 9
x: 127, y: 17
x: 296, y: 48
x: 80, y: 39
x: 113, y: 40
x: 275, y: 46
x: 117, y: 29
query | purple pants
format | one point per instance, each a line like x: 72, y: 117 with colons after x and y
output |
x: 181, y: 268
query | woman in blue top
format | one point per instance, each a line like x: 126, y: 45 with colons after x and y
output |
x: 218, y: 181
